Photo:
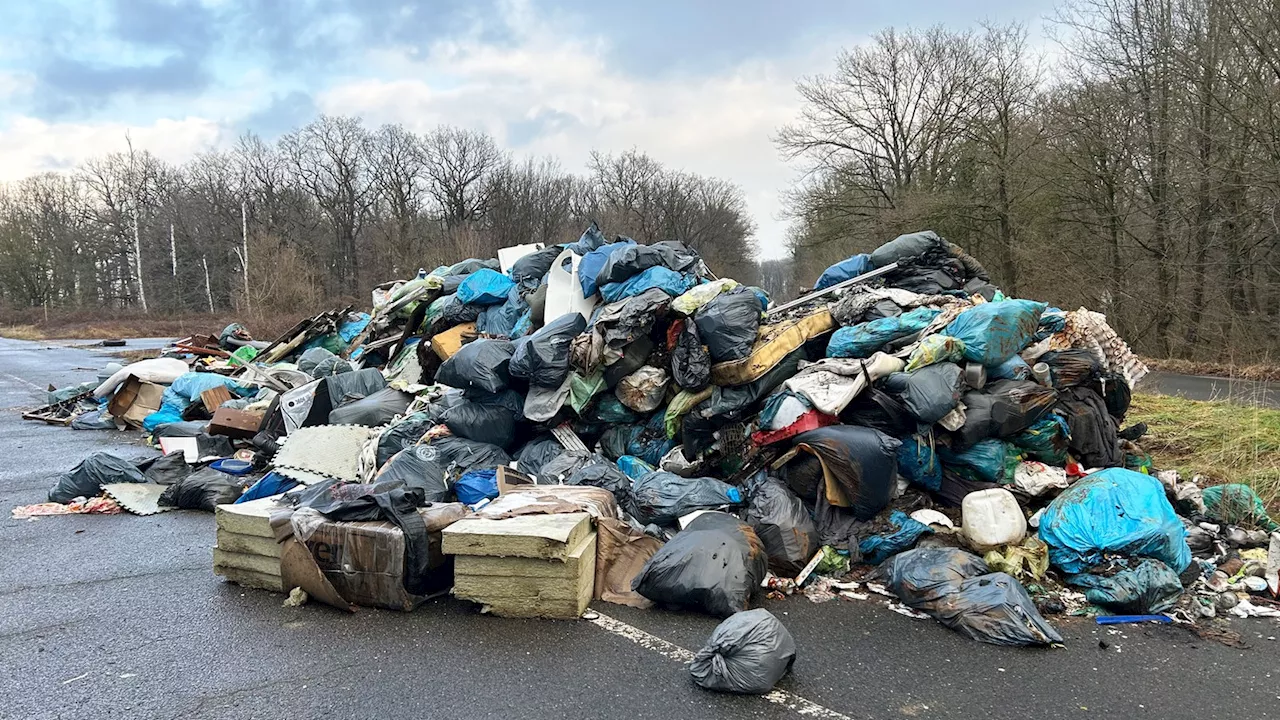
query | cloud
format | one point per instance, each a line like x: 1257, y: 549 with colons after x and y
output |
x: 30, y: 145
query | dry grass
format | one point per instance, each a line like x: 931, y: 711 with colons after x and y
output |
x: 1224, y: 442
x: 1260, y: 371
x: 31, y: 324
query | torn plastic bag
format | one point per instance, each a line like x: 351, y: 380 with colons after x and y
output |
x: 865, y: 339
x: 995, y: 331
x: 1093, y: 438
x: 403, y: 434
x: 859, y: 466
x: 688, y: 303
x: 845, y: 270
x: 1045, y: 441
x: 728, y: 324
x: 487, y: 417
x: 924, y: 576
x: 664, y: 279
x: 476, y: 485
x: 1149, y: 588
x: 935, y: 349
x: 832, y: 383
x: 204, y: 489
x: 989, y: 460
x: 168, y: 469
x: 87, y: 478
x: 543, y: 404
x: 536, y: 453
x: 417, y: 467
x: 1237, y: 504
x: 503, y: 319
x: 906, y: 533
x: 594, y: 261
x: 1036, y: 478
x: 783, y: 525
x: 458, y: 455
x: 714, y: 565
x: 372, y: 410
x: 319, y: 362
x: 485, y: 287
x: 558, y: 469
x: 94, y: 420
x: 905, y: 247
x: 662, y: 497
x: 918, y: 462
x: 748, y: 653
x: 690, y: 363
x: 543, y: 357
x: 1069, y: 368
x: 530, y: 269
x: 930, y: 392
x: 478, y: 365
x: 1015, y: 368
x: 606, y: 475
x: 633, y: 467
x: 643, y: 390
x: 1113, y: 512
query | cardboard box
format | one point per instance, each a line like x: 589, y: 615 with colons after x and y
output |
x: 234, y: 423
x: 135, y: 400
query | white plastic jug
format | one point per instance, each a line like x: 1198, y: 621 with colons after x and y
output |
x: 992, y: 518
x: 564, y: 291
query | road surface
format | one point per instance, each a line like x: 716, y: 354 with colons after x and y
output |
x: 121, y: 617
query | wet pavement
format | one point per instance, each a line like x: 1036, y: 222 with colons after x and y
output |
x: 120, y: 616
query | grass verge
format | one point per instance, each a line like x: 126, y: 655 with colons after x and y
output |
x: 1263, y: 372
x: 1221, y: 441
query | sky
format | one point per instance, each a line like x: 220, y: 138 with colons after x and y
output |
x: 700, y: 86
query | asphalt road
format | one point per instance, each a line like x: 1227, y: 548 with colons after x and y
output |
x: 121, y: 616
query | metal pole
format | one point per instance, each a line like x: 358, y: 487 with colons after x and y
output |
x: 838, y: 286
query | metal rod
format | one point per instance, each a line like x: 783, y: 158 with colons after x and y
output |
x: 838, y: 286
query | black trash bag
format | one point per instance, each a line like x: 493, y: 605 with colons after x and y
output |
x: 803, y: 475
x: 373, y: 410
x: 1069, y: 368
x: 338, y: 390
x: 729, y: 323
x: 168, y: 469
x: 860, y: 464
x: 398, y: 506
x: 1149, y: 588
x: 537, y: 453
x: 543, y: 357
x: 204, y: 489
x: 458, y: 455
x: 416, y: 467
x: 94, y: 420
x: 953, y: 587
x: 487, y: 417
x: 713, y: 565
x: 478, y: 365
x: 87, y: 478
x: 905, y: 247
x: 876, y: 409
x: 1003, y: 409
x: 185, y: 428
x: 634, y: 357
x: 783, y: 524
x: 451, y: 284
x: 403, y: 434
x: 1117, y: 395
x: 837, y: 527
x: 1093, y: 438
x: 470, y: 265
x: 930, y: 392
x: 558, y: 469
x: 661, y: 497
x: 318, y: 362
x: 456, y: 312
x: 748, y: 653
x: 605, y: 475
x: 733, y: 404
x: 208, y: 446
x: 530, y: 269
x: 630, y: 260
x: 690, y: 363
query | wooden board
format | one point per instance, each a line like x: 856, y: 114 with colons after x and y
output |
x: 447, y: 343
x: 234, y: 423
x: 214, y: 397
x: 512, y: 567
x: 247, y: 518
x: 249, y: 578
x: 241, y: 561
x: 526, y: 536
x: 248, y: 544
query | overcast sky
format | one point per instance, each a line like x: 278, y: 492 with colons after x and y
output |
x: 701, y: 86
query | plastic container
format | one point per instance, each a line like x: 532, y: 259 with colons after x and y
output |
x: 1040, y: 371
x: 992, y: 518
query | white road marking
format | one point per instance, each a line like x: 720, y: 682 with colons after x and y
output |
x: 671, y: 651
x: 24, y: 381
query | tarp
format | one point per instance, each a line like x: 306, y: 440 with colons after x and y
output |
x: 845, y: 270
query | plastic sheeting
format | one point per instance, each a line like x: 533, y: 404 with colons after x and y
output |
x: 1113, y: 512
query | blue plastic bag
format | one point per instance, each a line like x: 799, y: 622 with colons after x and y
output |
x: 1113, y: 512
x: 633, y: 467
x: 1046, y: 441
x: 845, y: 270
x: 590, y: 239
x: 352, y: 328
x: 989, y: 460
x: 186, y: 389
x: 993, y: 332
x: 918, y: 463
x: 594, y: 261
x: 665, y: 279
x: 270, y: 484
x: 878, y: 548
x: 504, y: 319
x: 476, y: 485
x: 165, y: 415
x: 864, y: 339
x: 1015, y: 368
x: 485, y: 287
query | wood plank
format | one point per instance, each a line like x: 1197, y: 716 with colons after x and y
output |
x: 214, y: 397
x: 526, y: 536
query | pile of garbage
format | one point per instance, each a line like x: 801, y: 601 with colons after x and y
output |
x: 904, y: 429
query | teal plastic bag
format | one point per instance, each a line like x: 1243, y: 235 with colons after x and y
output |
x: 864, y: 339
x: 994, y: 332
